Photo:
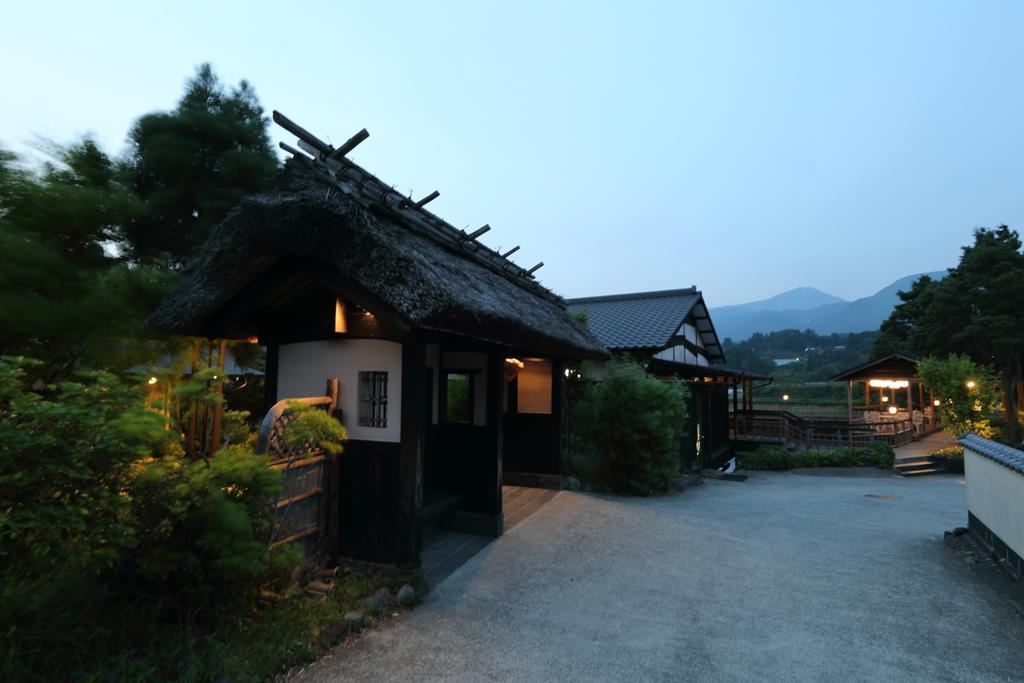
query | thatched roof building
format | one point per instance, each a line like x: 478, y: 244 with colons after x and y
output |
x: 444, y: 359
x: 285, y: 251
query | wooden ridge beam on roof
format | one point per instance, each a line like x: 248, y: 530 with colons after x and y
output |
x: 476, y: 233
x: 350, y: 144
x: 302, y: 134
x: 330, y: 166
x: 426, y: 200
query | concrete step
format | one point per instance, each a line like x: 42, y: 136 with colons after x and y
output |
x: 915, y: 473
x: 914, y: 464
x: 912, y: 458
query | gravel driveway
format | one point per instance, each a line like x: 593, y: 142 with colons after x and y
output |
x: 815, y: 575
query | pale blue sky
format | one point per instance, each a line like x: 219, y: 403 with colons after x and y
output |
x: 746, y: 148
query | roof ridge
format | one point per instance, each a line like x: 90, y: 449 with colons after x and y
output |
x: 655, y: 294
x: 337, y: 171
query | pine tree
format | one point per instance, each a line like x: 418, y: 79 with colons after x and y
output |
x: 192, y: 165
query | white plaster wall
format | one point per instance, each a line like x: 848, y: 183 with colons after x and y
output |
x: 304, y: 368
x: 690, y: 333
x: 995, y: 495
x: 680, y: 354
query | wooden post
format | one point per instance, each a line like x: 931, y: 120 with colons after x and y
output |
x: 849, y: 400
x: 410, y: 466
x: 334, y: 478
x: 270, y: 376
x: 867, y: 394
x: 218, y: 411
x: 190, y: 435
x: 496, y: 433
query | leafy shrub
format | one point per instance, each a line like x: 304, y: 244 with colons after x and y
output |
x: 110, y: 539
x: 878, y: 454
x: 766, y: 458
x: 633, y: 422
x: 311, y: 425
x: 963, y: 408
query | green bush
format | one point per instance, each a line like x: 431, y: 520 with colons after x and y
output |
x: 878, y: 454
x: 766, y: 458
x: 116, y: 552
x: 633, y: 423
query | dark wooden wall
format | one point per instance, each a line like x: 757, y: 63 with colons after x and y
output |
x: 370, y: 500
x: 532, y: 444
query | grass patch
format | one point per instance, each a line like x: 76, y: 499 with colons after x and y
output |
x: 777, y: 458
x: 134, y: 642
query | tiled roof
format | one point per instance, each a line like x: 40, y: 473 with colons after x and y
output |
x: 646, y: 320
x: 1002, y: 454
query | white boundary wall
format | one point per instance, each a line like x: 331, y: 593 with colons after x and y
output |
x: 995, y: 495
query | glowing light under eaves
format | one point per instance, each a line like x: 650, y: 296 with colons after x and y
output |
x: 889, y: 383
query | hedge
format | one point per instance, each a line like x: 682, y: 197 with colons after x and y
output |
x: 878, y: 455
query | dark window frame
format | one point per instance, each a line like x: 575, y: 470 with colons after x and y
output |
x: 373, y: 399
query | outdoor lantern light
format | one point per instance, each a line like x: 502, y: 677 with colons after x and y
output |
x: 885, y: 399
x: 340, y: 324
x: 970, y: 384
x: 892, y: 410
x: 936, y: 403
x: 785, y: 397
x: 889, y: 383
x: 152, y: 380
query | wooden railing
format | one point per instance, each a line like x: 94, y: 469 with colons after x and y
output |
x: 782, y: 427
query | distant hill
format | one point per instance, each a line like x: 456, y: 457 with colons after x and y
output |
x: 799, y: 299
x: 808, y: 308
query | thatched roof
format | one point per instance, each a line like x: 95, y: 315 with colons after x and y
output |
x: 342, y: 228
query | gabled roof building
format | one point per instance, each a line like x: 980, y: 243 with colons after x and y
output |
x: 672, y: 333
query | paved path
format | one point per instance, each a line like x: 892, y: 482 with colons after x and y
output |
x: 928, y: 444
x: 787, y: 576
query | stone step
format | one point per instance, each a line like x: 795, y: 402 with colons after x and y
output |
x: 915, y: 473
x: 914, y: 464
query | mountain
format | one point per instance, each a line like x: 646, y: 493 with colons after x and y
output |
x: 796, y: 309
x: 799, y: 299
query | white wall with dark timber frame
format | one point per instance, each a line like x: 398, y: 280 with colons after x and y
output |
x: 305, y: 367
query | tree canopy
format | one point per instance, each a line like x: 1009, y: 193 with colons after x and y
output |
x: 190, y: 166
x: 92, y: 242
x: 975, y: 310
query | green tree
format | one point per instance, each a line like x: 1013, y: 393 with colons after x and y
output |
x: 634, y: 422
x: 65, y: 297
x: 968, y: 393
x: 190, y: 166
x: 975, y: 310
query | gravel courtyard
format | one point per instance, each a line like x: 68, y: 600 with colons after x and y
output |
x: 787, y: 576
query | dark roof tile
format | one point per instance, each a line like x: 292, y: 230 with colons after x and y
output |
x: 645, y: 320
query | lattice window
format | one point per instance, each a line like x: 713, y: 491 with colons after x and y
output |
x: 373, y: 399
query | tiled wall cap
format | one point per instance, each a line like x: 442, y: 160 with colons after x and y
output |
x: 1001, y: 453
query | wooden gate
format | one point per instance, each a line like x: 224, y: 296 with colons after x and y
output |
x: 306, y: 508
